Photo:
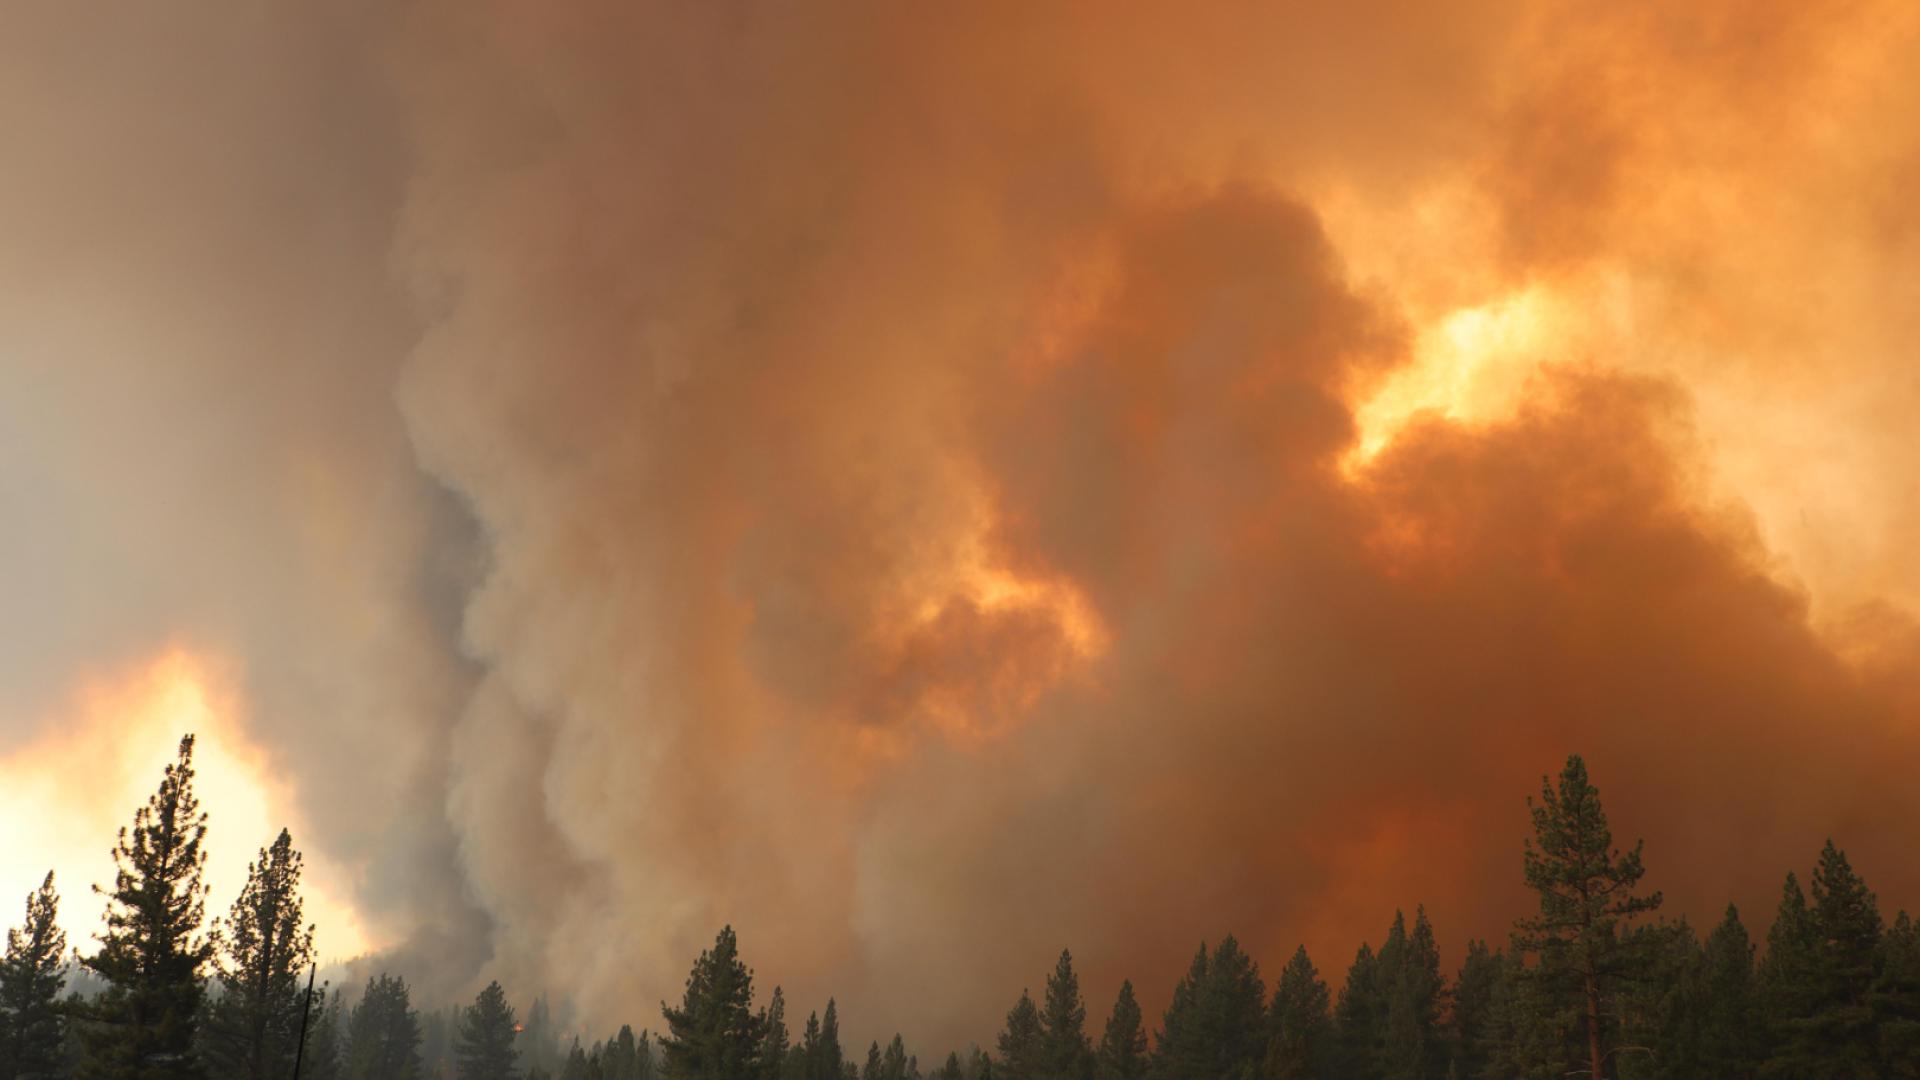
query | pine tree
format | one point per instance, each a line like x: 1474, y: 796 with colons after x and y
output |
x: 1535, y: 1022
x: 1022, y: 1043
x: 1123, y: 1049
x: 715, y: 1034
x: 951, y: 1070
x: 1587, y: 899
x: 1790, y: 982
x: 1216, y: 1025
x: 1472, y: 1021
x: 253, y: 1025
x: 894, y: 1062
x: 321, y: 1059
x: 872, y: 1070
x: 773, y: 1044
x: 825, y: 1060
x: 1896, y: 998
x: 32, y: 1022
x: 1358, y: 1016
x: 1065, y: 1053
x: 383, y: 1033
x: 153, y: 951
x: 1718, y: 1008
x: 1847, y: 922
x: 1299, y: 1025
x: 1411, y: 1045
x: 483, y: 1042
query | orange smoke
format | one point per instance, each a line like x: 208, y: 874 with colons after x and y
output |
x: 932, y: 485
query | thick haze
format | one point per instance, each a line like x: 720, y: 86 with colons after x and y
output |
x: 928, y: 486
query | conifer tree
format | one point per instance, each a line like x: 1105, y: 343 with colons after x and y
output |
x: 1216, y: 1025
x: 715, y: 1034
x: 1411, y: 1044
x: 1299, y: 1025
x: 32, y: 1021
x: 1847, y: 922
x: 153, y: 952
x: 1896, y: 998
x: 951, y: 1070
x: 825, y: 1060
x: 1066, y: 1053
x: 1718, y: 1008
x: 321, y: 1059
x: 1472, y: 1018
x: 1123, y: 1049
x: 483, y: 1042
x: 1790, y: 981
x: 773, y: 1046
x: 1022, y: 1043
x: 383, y: 1033
x: 872, y: 1070
x: 252, y: 1026
x: 1587, y: 898
x: 1358, y: 1016
x: 894, y: 1062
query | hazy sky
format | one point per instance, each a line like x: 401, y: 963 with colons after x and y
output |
x: 930, y: 485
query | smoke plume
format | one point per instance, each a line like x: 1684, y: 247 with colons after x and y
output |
x: 930, y: 486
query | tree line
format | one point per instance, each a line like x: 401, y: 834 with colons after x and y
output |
x: 1594, y: 982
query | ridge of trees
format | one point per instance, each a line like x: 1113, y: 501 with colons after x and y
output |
x: 1592, y: 983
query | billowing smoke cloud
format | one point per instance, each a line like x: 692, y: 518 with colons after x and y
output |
x: 913, y: 452
x: 935, y: 504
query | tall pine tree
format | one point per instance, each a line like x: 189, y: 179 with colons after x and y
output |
x: 1066, y: 1054
x: 1587, y: 901
x: 32, y: 1022
x: 715, y: 1034
x: 383, y: 1033
x: 254, y: 1023
x: 1023, y: 1043
x: 483, y: 1043
x: 153, y: 952
x: 1299, y: 1026
x: 1123, y: 1049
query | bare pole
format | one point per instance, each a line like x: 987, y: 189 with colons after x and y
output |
x: 300, y: 1050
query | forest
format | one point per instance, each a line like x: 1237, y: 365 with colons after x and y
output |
x: 1595, y: 982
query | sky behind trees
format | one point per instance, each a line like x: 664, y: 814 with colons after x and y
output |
x: 910, y: 483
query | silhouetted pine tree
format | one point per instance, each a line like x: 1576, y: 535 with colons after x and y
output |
x: 872, y: 1069
x: 383, y: 1033
x: 1123, y: 1049
x: 1587, y: 898
x: 253, y: 1025
x: 1066, y: 1053
x: 1358, y: 1015
x: 1300, y: 1028
x: 951, y: 1070
x: 321, y: 1060
x: 1022, y: 1044
x: 483, y: 1042
x: 1472, y: 1019
x: 1412, y: 1044
x: 1896, y: 998
x: 826, y: 1061
x: 1216, y: 1026
x: 33, y: 1025
x: 1718, y: 1030
x: 714, y: 1034
x: 153, y: 952
x: 773, y: 1041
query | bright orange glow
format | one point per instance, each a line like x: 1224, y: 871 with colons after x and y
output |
x: 100, y: 758
x: 1469, y: 365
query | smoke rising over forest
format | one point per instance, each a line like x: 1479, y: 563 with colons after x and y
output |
x: 927, y: 486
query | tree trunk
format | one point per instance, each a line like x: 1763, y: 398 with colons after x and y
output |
x: 1593, y: 1023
